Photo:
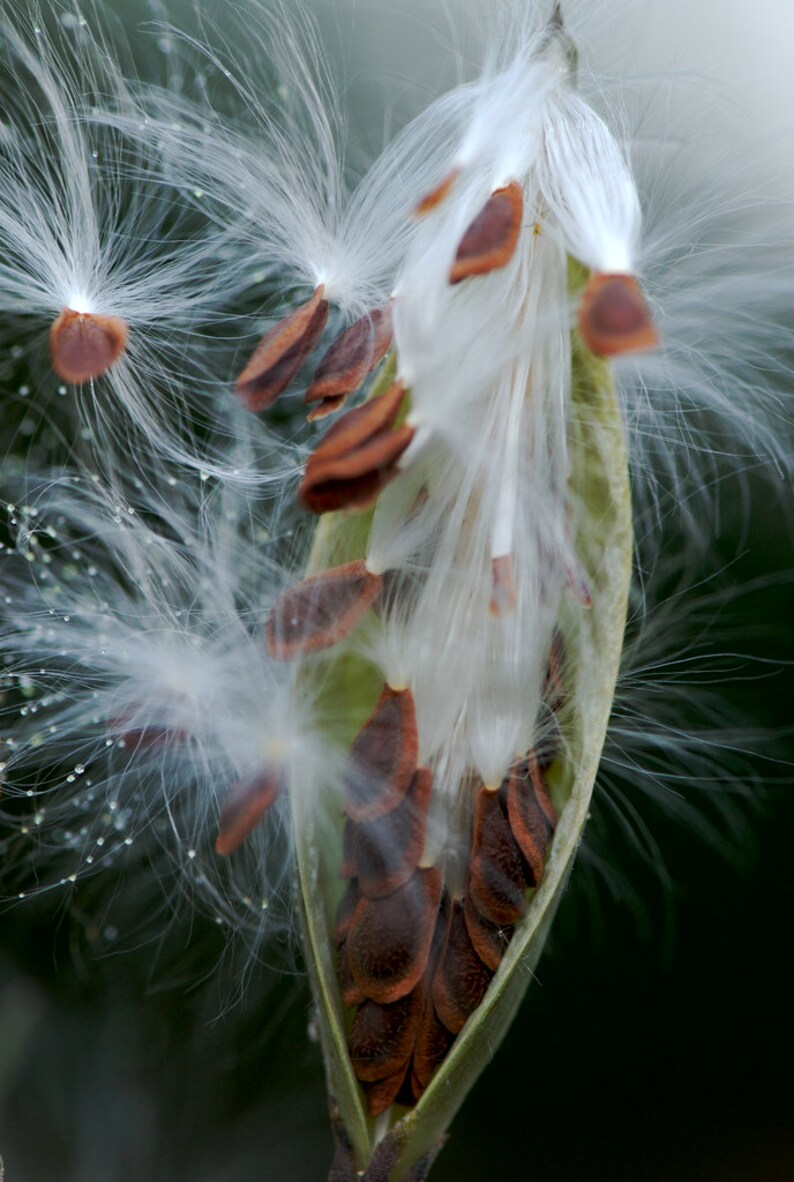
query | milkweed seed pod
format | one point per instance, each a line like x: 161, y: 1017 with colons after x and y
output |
x: 377, y: 656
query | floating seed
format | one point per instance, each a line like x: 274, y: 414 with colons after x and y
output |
x: 438, y: 194
x: 389, y: 939
x: 489, y: 940
x: 497, y: 876
x: 387, y: 851
x: 461, y: 979
x: 382, y: 758
x: 244, y: 808
x: 320, y: 611
x: 614, y: 317
x: 490, y: 241
x: 348, y: 361
x: 84, y: 345
x: 281, y: 352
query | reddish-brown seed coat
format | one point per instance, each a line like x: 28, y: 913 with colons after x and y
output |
x: 461, y: 979
x: 433, y: 1042
x: 531, y: 815
x: 384, y: 1092
x: 382, y: 759
x: 497, y: 875
x: 614, y: 317
x: 382, y: 1037
x: 359, y: 425
x: 439, y: 193
x: 351, y: 357
x: 281, y: 352
x: 355, y: 480
x: 490, y: 241
x: 389, y: 939
x: 386, y: 851
x: 84, y: 345
x: 489, y: 940
x: 244, y: 808
x: 320, y: 611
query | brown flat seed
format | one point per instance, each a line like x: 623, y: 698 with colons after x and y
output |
x: 382, y: 1036
x: 244, y: 808
x: 497, y: 876
x: 433, y: 1042
x: 358, y: 426
x: 281, y: 352
x: 355, y: 481
x: 531, y: 815
x: 382, y: 759
x: 490, y: 241
x: 326, y: 407
x: 489, y: 940
x: 387, y: 851
x: 320, y: 611
x: 437, y: 194
x: 349, y: 991
x: 351, y: 357
x: 382, y: 1094
x: 614, y: 317
x: 84, y: 345
x: 461, y: 978
x: 389, y: 939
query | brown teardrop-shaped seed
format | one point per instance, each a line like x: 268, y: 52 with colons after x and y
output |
x: 614, y: 317
x: 389, y: 939
x: 325, y: 407
x: 349, y: 990
x: 351, y: 357
x: 461, y: 978
x: 529, y: 818
x: 382, y: 759
x: 382, y: 1036
x: 344, y: 913
x: 437, y: 194
x: 84, y: 345
x: 244, y: 808
x: 384, y: 1092
x: 359, y: 425
x: 387, y: 851
x: 320, y: 611
x: 489, y: 940
x: 490, y: 241
x: 336, y: 483
x: 497, y: 875
x: 281, y: 352
x: 433, y: 1042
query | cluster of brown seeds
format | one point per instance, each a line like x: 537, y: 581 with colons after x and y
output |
x: 415, y: 960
